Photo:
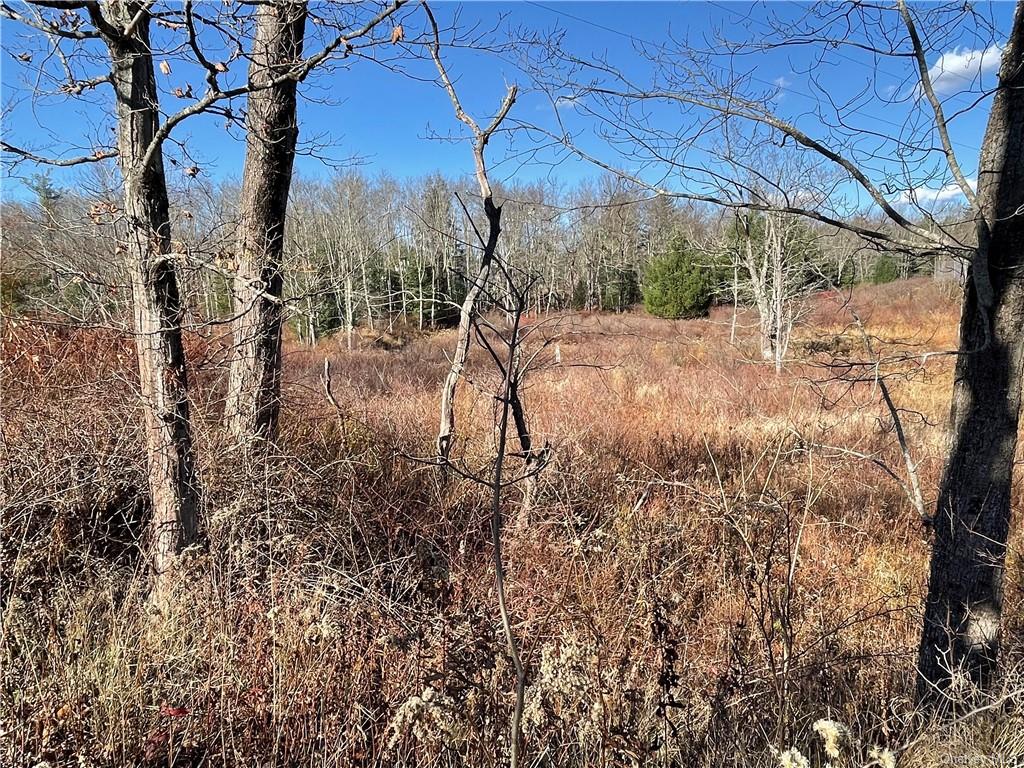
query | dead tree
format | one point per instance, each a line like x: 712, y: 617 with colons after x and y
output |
x: 504, y: 347
x: 532, y: 458
x: 510, y: 366
x: 773, y: 270
x: 509, y: 405
x: 489, y: 244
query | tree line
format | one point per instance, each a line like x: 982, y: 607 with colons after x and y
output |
x: 362, y: 250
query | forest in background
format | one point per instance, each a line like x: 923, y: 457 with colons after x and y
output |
x: 368, y: 251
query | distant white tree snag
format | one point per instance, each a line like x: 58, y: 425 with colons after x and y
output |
x: 173, y: 485
x: 773, y: 269
x: 963, y: 611
x: 254, y: 378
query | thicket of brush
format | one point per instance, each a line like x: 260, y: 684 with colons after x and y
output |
x: 704, y: 578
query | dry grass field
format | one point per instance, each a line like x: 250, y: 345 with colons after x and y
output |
x: 706, y: 572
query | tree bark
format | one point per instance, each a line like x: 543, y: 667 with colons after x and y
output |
x: 157, y: 303
x: 960, y: 637
x: 446, y: 432
x: 757, y: 271
x: 254, y: 379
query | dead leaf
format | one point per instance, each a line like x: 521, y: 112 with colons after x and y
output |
x: 220, y: 66
x: 166, y: 710
x: 165, y: 67
x: 397, y: 34
x: 155, y: 745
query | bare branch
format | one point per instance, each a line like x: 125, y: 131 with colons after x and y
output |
x: 49, y: 29
x: 941, y: 125
x: 481, y: 136
x: 95, y: 157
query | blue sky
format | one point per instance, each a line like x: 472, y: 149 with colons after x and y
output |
x: 387, y: 119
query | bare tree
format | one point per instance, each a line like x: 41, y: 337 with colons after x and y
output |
x: 772, y: 253
x: 510, y: 365
x: 86, y: 45
x: 254, y: 379
x: 489, y: 244
x: 124, y: 30
x: 963, y: 611
x: 158, y: 311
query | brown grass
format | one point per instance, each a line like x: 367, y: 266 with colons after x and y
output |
x: 344, y: 612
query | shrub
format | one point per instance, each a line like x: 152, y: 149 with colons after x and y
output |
x: 18, y: 289
x: 679, y: 284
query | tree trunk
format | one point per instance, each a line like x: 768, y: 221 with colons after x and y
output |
x: 366, y: 293
x: 349, y: 310
x: 735, y: 301
x: 774, y: 241
x: 254, y: 381
x: 960, y: 638
x: 757, y: 272
x: 446, y: 433
x: 157, y: 303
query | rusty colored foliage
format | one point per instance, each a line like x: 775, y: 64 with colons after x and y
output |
x: 698, y: 585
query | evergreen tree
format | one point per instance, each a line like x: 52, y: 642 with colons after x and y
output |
x: 680, y: 283
x: 885, y: 269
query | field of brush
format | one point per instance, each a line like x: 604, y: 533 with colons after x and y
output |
x: 714, y: 559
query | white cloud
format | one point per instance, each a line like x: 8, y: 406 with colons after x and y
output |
x: 931, y: 196
x: 959, y: 68
x: 568, y: 102
x: 781, y: 83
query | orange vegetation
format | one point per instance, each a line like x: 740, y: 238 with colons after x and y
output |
x: 708, y: 568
